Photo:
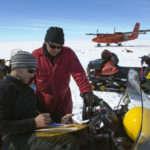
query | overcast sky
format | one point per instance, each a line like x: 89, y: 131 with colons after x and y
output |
x: 28, y: 20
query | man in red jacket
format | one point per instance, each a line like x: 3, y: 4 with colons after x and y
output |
x: 55, y: 65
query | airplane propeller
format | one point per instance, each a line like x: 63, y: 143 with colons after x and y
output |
x: 97, y: 31
x: 114, y: 29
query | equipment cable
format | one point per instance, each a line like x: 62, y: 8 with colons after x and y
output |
x: 137, y: 139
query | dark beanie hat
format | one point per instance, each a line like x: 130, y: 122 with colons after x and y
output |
x: 55, y: 35
x: 23, y: 59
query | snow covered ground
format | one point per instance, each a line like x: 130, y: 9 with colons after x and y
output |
x: 87, y: 51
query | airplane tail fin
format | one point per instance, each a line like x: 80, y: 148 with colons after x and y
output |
x: 136, y: 29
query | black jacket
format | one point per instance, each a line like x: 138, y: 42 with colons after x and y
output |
x: 18, y: 108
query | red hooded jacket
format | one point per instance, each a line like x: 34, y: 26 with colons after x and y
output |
x: 52, y: 82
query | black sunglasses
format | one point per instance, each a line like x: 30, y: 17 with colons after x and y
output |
x: 54, y: 46
x: 31, y: 70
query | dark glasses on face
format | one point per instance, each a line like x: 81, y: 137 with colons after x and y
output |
x: 31, y: 70
x: 54, y: 46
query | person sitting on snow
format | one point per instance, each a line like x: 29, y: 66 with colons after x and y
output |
x: 21, y: 113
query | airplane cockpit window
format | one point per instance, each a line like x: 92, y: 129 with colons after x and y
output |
x: 101, y: 35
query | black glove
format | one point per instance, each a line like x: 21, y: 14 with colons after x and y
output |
x: 90, y: 99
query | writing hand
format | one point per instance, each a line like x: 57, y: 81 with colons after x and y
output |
x: 43, y: 120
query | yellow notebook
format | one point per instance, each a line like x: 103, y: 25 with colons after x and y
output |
x: 54, y: 131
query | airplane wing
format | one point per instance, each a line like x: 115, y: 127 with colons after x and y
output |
x: 129, y: 33
x: 144, y: 31
x: 95, y: 33
x: 90, y: 34
x: 123, y: 33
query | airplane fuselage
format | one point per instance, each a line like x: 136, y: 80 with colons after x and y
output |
x: 112, y: 38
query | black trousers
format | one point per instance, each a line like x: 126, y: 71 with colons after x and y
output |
x: 62, y: 142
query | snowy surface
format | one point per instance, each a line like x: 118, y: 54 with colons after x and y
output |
x: 87, y: 51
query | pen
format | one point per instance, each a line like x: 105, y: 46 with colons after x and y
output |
x: 76, y: 113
